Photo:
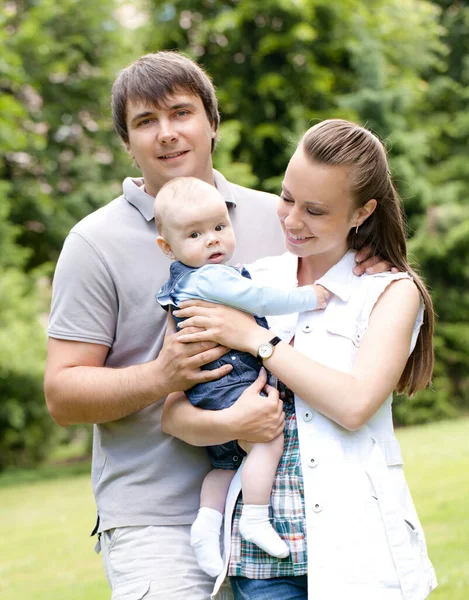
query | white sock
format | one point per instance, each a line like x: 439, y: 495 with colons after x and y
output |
x: 255, y: 527
x: 205, y: 540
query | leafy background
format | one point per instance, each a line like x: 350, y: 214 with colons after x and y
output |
x: 400, y: 67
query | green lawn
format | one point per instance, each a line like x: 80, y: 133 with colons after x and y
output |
x: 45, y: 518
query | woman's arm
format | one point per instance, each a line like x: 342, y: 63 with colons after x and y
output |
x: 252, y: 417
x: 350, y: 399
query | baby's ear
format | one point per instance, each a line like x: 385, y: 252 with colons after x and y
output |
x: 165, y: 247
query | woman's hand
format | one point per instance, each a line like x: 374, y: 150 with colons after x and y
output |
x: 218, y: 323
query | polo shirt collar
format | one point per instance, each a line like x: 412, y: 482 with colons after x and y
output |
x: 225, y: 189
x: 134, y: 193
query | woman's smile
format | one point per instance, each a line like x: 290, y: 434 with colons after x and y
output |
x: 297, y: 239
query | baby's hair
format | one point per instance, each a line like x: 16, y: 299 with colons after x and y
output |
x: 180, y: 190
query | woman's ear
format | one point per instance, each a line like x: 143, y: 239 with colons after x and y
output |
x: 165, y: 247
x: 365, y: 211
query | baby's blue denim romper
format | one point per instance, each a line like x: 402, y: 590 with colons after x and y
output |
x: 223, y: 392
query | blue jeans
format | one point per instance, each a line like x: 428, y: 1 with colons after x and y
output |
x: 278, y: 588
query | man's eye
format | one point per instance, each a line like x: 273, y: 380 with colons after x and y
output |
x: 144, y: 122
x: 194, y: 235
x: 182, y: 113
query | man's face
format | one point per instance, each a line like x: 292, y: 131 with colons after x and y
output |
x: 171, y: 141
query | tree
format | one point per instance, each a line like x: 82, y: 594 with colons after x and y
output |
x: 59, y: 159
x: 281, y: 66
x: 442, y: 240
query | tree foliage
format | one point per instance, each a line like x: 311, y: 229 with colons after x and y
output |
x: 59, y: 159
x: 401, y: 67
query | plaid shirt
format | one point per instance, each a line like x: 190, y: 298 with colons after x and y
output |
x: 287, y: 509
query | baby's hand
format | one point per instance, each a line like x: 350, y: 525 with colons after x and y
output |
x: 322, y: 296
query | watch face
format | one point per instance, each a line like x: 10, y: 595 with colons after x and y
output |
x: 265, y: 350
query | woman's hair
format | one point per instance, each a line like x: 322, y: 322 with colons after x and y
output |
x: 341, y: 143
x: 153, y: 78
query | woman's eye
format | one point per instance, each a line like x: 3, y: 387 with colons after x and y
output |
x: 285, y: 199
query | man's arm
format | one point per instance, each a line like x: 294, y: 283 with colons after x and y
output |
x: 252, y: 417
x: 80, y: 389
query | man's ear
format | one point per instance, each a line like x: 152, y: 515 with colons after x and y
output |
x: 165, y: 247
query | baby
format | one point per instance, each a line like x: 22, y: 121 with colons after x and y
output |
x: 195, y: 232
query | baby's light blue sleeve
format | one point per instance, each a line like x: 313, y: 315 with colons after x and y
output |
x: 226, y: 285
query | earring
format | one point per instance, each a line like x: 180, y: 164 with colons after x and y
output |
x: 356, y: 229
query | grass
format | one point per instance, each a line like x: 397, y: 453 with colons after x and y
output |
x: 46, y: 553
x: 437, y: 466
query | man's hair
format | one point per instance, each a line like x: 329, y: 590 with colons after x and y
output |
x: 336, y: 142
x: 153, y: 78
x: 176, y: 192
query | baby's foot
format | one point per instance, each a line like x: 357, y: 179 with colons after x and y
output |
x: 255, y: 527
x: 205, y: 540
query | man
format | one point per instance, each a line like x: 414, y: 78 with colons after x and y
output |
x: 109, y: 362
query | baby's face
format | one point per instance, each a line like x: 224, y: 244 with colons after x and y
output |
x: 201, y: 233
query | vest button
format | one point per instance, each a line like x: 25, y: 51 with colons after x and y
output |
x: 312, y: 462
x: 317, y: 508
x: 307, y: 416
x: 306, y: 328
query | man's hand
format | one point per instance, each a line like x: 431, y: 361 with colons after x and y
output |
x: 181, y: 363
x: 257, y: 418
x: 371, y: 264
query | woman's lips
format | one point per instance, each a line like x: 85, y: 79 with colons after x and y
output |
x: 297, y: 240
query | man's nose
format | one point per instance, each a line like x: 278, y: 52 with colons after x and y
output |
x: 167, y: 133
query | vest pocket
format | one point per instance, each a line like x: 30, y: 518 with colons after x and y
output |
x: 351, y: 331
x: 402, y: 535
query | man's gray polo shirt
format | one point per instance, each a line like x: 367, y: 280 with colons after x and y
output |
x: 104, y: 291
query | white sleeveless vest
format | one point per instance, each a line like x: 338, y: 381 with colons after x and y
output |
x: 364, y: 538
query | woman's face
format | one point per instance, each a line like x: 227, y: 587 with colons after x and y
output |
x: 316, y: 209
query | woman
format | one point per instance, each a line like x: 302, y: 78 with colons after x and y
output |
x: 344, y: 491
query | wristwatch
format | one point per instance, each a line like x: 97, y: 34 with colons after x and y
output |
x: 266, y: 349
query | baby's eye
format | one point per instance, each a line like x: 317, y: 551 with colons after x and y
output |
x: 219, y: 227
x: 194, y: 235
